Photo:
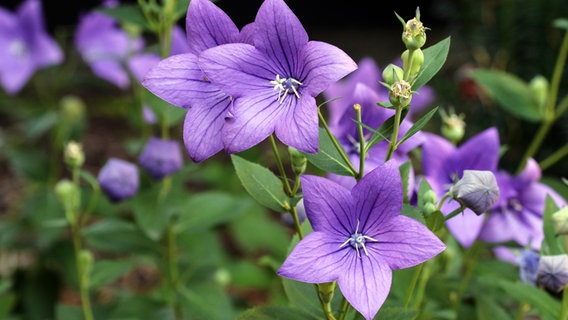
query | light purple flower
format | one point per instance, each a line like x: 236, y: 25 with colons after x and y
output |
x: 180, y: 81
x: 119, y: 179
x: 106, y: 47
x: 274, y: 83
x: 359, y: 238
x: 443, y: 164
x: 160, y: 157
x: 517, y: 215
x: 25, y: 45
x: 345, y: 130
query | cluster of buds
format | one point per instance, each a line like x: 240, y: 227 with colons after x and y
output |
x: 427, y: 203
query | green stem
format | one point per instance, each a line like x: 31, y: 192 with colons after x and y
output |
x: 564, y: 310
x: 441, y: 203
x: 554, y: 157
x: 470, y: 262
x: 422, y: 284
x: 325, y: 294
x: 454, y: 213
x: 561, y: 108
x: 535, y: 144
x: 409, y: 67
x: 413, y: 283
x: 343, y: 310
x: 336, y: 144
x: 362, y: 152
x: 394, y: 137
x: 280, y: 166
x: 173, y: 272
x: 297, y: 224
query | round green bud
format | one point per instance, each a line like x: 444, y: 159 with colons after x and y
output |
x: 74, y: 155
x: 414, y: 34
x: 298, y: 160
x: 222, y: 277
x: 414, y: 63
x: 68, y: 195
x: 72, y: 108
x: 428, y: 209
x: 453, y: 127
x: 430, y: 197
x: 400, y: 93
x: 392, y: 73
x: 539, y: 89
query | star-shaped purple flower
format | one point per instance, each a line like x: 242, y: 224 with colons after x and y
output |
x: 25, y: 45
x: 180, y: 81
x: 517, y: 215
x: 274, y: 83
x: 443, y: 164
x: 359, y: 238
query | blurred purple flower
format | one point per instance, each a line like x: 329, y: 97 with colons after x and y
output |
x: 179, y: 80
x: 106, y: 47
x: 274, y: 83
x: 148, y: 115
x: 25, y: 45
x: 119, y: 179
x: 161, y: 158
x: 359, y: 238
x: 443, y: 164
x: 528, y: 262
x: 345, y: 130
x: 517, y: 215
x: 369, y: 74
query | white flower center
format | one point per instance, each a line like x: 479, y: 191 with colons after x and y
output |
x: 357, y: 240
x: 18, y: 48
x: 515, y: 205
x: 285, y: 86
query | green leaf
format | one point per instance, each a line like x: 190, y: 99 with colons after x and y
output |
x: 261, y: 184
x: 488, y: 308
x: 561, y: 23
x: 434, y: 58
x: 207, y: 209
x: 207, y: 301
x: 418, y: 125
x: 130, y: 13
x: 118, y: 236
x: 510, y: 92
x: 404, y: 174
x: 181, y: 9
x: 275, y: 313
x: 396, y: 313
x: 552, y: 244
x: 413, y: 212
x: 68, y: 312
x: 546, y: 305
x: 328, y: 158
x: 167, y: 113
x: 105, y: 271
x: 6, y: 304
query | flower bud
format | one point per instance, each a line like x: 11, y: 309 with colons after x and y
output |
x: 119, y: 179
x: 560, y: 219
x: 528, y: 266
x: 86, y: 260
x: 400, y: 93
x: 477, y: 190
x: 413, y: 63
x: 552, y: 272
x: 68, y: 194
x: 300, y: 211
x: 222, y: 277
x: 539, y: 90
x: 298, y: 160
x: 392, y: 73
x: 72, y: 108
x: 428, y: 209
x: 73, y: 154
x: 414, y: 34
x: 453, y: 127
x: 161, y: 157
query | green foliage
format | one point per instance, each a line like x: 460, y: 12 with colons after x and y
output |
x: 328, y: 158
x: 552, y: 244
x: 275, y: 313
x: 434, y: 58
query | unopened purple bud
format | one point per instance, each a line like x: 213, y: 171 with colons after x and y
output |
x: 553, y: 272
x: 528, y: 266
x: 477, y: 190
x: 300, y: 210
x: 161, y: 157
x: 148, y: 115
x: 119, y: 179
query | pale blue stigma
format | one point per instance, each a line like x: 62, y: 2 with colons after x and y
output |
x: 357, y: 240
x: 285, y: 86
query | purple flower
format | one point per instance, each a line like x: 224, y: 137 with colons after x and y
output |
x: 119, y: 179
x: 359, y: 238
x: 345, y: 130
x: 517, y: 215
x: 179, y: 80
x: 161, y: 158
x: 274, y: 83
x: 25, y: 45
x: 106, y: 47
x: 528, y: 265
x: 443, y: 164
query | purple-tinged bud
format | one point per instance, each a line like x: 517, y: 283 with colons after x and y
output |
x: 392, y: 73
x: 553, y: 272
x: 300, y: 211
x: 560, y: 219
x: 160, y: 157
x: 477, y: 190
x: 119, y: 179
x: 528, y: 266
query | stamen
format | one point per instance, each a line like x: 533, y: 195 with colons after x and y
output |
x: 357, y: 240
x: 285, y: 86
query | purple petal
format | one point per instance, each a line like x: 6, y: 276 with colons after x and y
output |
x: 140, y: 64
x: 329, y: 206
x: 365, y: 283
x: 404, y: 242
x: 435, y: 153
x: 15, y: 73
x: 316, y: 259
x: 253, y: 119
x: 203, y: 124
x: 281, y: 36
x: 378, y: 196
x: 466, y: 226
x: 46, y: 51
x: 247, y: 34
x: 298, y: 126
x: 530, y: 173
x: 481, y: 152
x: 112, y: 71
x: 533, y: 197
x: 207, y: 26
x: 238, y: 69
x: 326, y: 64
x: 179, y: 81
x: 179, y: 41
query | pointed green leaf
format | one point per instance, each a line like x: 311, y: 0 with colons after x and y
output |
x: 261, y: 184
x: 130, y: 13
x: 418, y: 125
x: 328, y: 158
x: 434, y: 58
x: 510, y: 92
x: 105, y: 271
x: 552, y: 244
x: 546, y: 305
